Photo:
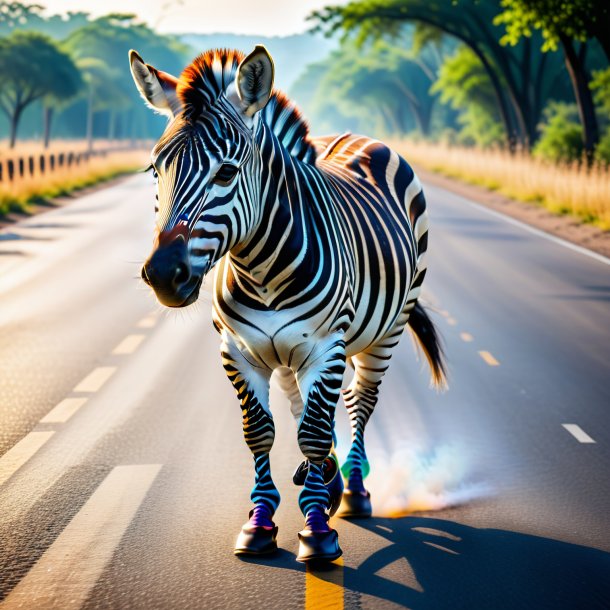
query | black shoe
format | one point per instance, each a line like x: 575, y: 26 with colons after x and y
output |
x: 318, y: 546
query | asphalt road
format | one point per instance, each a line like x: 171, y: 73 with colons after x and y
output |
x: 124, y: 478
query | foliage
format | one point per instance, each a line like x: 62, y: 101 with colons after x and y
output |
x: 575, y: 20
x: 602, y: 152
x: 33, y: 66
x: 383, y: 88
x: 600, y: 85
x: 523, y: 78
x: 561, y: 139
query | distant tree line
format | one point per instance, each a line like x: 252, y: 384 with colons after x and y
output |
x: 526, y: 73
x: 73, y: 71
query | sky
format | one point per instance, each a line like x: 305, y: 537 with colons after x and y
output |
x: 265, y: 17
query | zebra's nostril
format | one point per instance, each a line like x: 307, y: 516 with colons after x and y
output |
x: 181, y: 275
x: 145, y: 275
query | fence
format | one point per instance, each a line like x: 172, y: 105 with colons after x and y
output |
x: 26, y: 166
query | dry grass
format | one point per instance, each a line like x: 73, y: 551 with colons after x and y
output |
x: 41, y: 188
x: 563, y: 189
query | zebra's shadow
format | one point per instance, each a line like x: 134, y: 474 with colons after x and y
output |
x: 458, y: 566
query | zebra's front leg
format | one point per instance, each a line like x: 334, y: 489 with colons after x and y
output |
x: 251, y: 382
x: 320, y: 385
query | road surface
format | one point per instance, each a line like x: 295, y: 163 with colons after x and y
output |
x: 124, y: 478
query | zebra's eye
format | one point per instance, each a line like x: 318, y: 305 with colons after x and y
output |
x: 225, y: 174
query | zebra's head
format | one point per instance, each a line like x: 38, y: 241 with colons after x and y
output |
x: 207, y: 164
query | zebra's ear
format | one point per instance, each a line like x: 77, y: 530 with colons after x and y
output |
x: 157, y: 88
x: 254, y: 80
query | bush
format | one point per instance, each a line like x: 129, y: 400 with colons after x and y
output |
x: 602, y: 152
x: 561, y: 134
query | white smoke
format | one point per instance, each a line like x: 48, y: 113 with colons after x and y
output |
x: 413, y: 480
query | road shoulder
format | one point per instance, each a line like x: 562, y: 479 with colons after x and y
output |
x: 564, y: 227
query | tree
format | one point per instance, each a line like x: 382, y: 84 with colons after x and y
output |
x: 522, y: 77
x: 68, y: 82
x: 108, y: 39
x: 569, y: 25
x: 32, y: 67
x: 463, y: 83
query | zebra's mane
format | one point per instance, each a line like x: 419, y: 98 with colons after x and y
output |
x: 209, y: 75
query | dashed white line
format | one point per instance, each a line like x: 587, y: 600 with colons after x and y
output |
x: 467, y: 337
x: 488, y: 358
x: 578, y: 433
x: 68, y: 570
x: 96, y: 379
x: 451, y: 321
x: 147, y: 322
x: 129, y: 344
x: 20, y: 453
x: 63, y: 411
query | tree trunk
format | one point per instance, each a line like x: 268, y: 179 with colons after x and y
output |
x: 14, y: 124
x: 90, y: 120
x: 111, y: 125
x: 47, y: 119
x: 575, y: 63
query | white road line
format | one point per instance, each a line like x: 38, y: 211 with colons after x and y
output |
x: 467, y: 337
x: 147, y: 322
x: 489, y: 358
x: 129, y: 344
x: 68, y: 570
x: 578, y: 433
x: 558, y: 240
x: 451, y: 321
x: 20, y: 453
x: 96, y: 379
x: 63, y: 411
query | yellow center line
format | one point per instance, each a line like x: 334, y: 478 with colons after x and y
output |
x: 466, y: 337
x: 451, y: 321
x: 63, y: 411
x: 489, y: 359
x: 129, y: 344
x: 324, y: 587
x: 96, y: 379
x: 147, y: 322
x: 20, y: 453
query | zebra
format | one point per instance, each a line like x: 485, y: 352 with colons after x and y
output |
x: 318, y: 247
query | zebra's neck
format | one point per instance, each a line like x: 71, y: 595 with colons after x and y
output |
x: 282, y: 257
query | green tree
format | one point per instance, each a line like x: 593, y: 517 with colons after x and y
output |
x: 33, y: 67
x: 522, y: 77
x: 464, y: 84
x: 561, y: 139
x: 569, y: 25
x: 108, y: 39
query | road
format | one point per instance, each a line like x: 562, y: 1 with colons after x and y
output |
x: 124, y: 478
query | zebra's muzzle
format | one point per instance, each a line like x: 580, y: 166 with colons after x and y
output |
x: 168, y: 273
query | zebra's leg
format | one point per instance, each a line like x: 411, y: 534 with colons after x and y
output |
x: 251, y: 382
x: 360, y: 398
x: 331, y: 470
x: 320, y: 385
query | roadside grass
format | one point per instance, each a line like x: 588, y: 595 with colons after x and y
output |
x: 20, y: 194
x: 563, y: 189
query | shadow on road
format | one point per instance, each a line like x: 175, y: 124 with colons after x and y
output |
x: 457, y: 566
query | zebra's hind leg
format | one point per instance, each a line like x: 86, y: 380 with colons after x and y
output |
x: 259, y: 533
x: 320, y: 384
x: 360, y: 399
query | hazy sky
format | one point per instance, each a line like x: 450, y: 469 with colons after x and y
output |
x: 266, y: 17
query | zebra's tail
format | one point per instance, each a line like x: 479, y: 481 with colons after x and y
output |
x: 429, y: 340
